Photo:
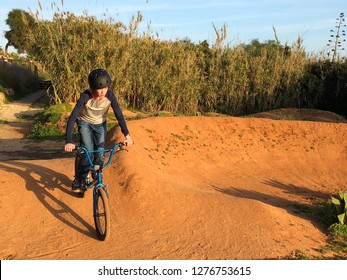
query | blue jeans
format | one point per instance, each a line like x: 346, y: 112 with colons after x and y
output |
x: 92, y: 137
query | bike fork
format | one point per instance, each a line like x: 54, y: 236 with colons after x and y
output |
x: 95, y: 196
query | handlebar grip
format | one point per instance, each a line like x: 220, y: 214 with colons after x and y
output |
x: 79, y: 150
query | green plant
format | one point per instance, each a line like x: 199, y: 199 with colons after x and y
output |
x: 323, y: 213
x: 49, y: 124
x: 180, y: 77
x: 338, y: 230
x: 59, y: 108
x: 19, y: 22
x: 41, y: 131
x: 339, y: 201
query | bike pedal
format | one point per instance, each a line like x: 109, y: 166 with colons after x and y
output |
x: 76, y: 190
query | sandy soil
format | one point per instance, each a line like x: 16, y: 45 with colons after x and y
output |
x: 190, y: 188
x: 24, y: 106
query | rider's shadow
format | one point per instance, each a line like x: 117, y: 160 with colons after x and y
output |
x: 42, y: 181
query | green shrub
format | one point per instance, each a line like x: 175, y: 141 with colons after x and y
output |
x: 338, y: 230
x: 46, y: 132
x: 340, y: 203
x: 59, y: 108
x: 54, y: 117
x: 50, y: 124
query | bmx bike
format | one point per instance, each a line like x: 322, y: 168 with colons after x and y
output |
x: 101, y: 211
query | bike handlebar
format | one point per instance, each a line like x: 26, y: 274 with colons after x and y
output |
x: 83, y: 150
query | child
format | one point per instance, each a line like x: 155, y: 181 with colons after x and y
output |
x: 90, y: 113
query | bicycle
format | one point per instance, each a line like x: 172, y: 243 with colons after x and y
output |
x: 101, y: 210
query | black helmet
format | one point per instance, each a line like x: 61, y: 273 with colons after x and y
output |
x: 99, y: 78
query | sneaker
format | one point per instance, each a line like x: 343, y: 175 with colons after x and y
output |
x: 76, y: 186
x: 94, y: 174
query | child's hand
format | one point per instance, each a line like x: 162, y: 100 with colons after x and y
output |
x: 69, y: 147
x: 128, y: 141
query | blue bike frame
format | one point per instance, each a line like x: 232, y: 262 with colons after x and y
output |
x: 97, y: 183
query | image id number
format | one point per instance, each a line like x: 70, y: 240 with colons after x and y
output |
x: 221, y: 270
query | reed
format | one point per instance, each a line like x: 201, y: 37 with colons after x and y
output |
x: 177, y: 76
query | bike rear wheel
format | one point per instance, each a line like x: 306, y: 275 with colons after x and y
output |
x: 102, y: 215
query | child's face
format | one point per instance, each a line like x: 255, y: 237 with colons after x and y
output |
x: 100, y: 93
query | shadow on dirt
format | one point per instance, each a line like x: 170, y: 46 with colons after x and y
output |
x: 295, y: 207
x: 42, y: 182
x: 21, y: 128
x: 31, y: 154
x: 15, y: 146
x: 27, y: 113
x: 26, y: 149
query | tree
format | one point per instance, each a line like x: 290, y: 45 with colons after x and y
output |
x: 19, y: 22
x: 255, y: 47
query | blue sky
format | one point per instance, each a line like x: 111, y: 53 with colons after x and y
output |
x: 245, y: 20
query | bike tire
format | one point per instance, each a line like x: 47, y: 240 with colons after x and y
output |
x: 102, y: 217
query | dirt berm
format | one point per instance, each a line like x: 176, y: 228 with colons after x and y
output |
x: 190, y: 188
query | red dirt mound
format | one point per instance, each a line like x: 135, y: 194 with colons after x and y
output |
x: 190, y: 188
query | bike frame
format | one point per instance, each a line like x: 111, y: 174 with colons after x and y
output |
x: 101, y: 212
x: 97, y: 183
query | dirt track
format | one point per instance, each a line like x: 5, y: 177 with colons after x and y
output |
x: 190, y: 188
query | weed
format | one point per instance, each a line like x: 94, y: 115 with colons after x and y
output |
x: 178, y: 136
x: 41, y: 131
x: 340, y: 203
x: 320, y: 211
x: 286, y: 117
x: 59, y: 108
x: 46, y: 124
x: 338, y: 230
x: 323, y: 213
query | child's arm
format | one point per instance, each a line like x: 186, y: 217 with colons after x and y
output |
x: 74, y: 115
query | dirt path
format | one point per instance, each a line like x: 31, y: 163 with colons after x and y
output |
x: 25, y: 106
x: 190, y: 188
x: 13, y: 144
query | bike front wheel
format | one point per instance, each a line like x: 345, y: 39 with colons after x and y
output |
x: 102, y: 215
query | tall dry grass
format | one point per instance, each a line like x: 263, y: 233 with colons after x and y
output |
x: 70, y: 46
x: 177, y: 76
x: 240, y: 82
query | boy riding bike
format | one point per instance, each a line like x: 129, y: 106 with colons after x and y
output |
x: 90, y: 113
